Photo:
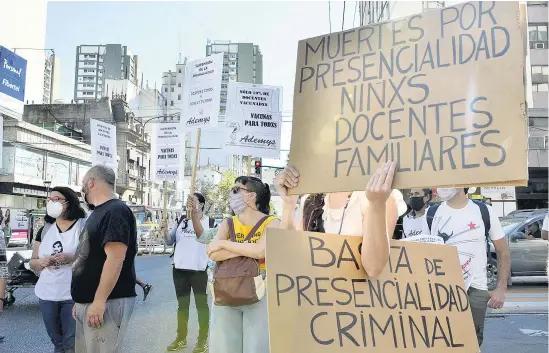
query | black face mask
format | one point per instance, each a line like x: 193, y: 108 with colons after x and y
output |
x: 90, y: 206
x: 417, y: 203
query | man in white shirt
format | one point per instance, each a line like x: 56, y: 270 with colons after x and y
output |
x: 463, y: 223
x: 412, y: 223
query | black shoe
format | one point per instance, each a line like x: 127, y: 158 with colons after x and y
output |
x: 177, y: 344
x: 146, y: 291
x: 201, y: 348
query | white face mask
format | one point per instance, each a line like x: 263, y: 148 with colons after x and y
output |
x: 446, y: 194
x: 54, y: 209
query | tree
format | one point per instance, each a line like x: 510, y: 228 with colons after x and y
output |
x: 206, y: 188
x: 272, y: 209
x: 220, y: 194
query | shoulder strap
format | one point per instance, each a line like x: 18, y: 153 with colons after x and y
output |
x: 431, y: 211
x: 212, y: 222
x: 255, y: 228
x: 230, y: 222
x: 485, y: 217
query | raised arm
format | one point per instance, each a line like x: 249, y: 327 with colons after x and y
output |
x: 378, y: 227
x: 284, y: 181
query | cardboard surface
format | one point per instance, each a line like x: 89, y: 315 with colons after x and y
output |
x: 441, y: 93
x: 320, y: 300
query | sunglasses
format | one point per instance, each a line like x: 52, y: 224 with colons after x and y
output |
x: 236, y: 189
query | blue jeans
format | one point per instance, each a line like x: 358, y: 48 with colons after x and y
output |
x: 241, y: 329
x: 59, y: 323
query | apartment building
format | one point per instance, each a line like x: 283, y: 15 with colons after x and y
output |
x: 52, y: 73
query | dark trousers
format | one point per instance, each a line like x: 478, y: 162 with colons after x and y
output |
x: 478, y: 299
x: 59, y: 323
x: 184, y: 281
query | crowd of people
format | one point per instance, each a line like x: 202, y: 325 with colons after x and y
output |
x: 87, y: 277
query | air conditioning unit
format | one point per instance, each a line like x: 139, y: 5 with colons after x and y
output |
x: 540, y: 45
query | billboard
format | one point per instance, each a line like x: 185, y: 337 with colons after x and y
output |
x: 13, y: 72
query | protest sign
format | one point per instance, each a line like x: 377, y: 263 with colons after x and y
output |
x: 103, y: 144
x: 167, y: 157
x: 253, y: 120
x: 201, y: 95
x: 441, y: 93
x: 320, y: 299
x: 499, y: 192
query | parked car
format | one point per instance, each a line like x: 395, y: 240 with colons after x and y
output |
x: 528, y: 252
x: 528, y: 213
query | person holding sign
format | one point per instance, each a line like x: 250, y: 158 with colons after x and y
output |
x: 189, y: 272
x: 372, y: 214
x: 242, y: 328
x: 468, y: 225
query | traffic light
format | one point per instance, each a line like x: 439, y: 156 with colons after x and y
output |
x: 258, y: 168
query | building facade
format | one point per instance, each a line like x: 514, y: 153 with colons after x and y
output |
x: 52, y: 73
x: 96, y: 63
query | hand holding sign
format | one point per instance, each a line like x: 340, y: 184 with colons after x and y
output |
x: 288, y: 179
x: 380, y: 184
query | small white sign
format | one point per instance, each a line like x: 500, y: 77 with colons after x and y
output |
x: 499, y: 193
x: 167, y: 156
x: 202, y: 89
x: 253, y: 120
x: 425, y: 238
x: 103, y: 143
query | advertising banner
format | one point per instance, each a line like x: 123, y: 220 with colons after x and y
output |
x: 253, y: 120
x: 201, y: 95
x: 13, y: 73
x: 321, y: 300
x: 441, y: 93
x: 103, y: 143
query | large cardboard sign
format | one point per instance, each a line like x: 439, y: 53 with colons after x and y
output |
x: 441, y: 93
x: 320, y: 299
x: 253, y: 120
x: 103, y: 144
x: 201, y: 95
x: 167, y: 158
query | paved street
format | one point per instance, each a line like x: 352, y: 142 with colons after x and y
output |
x: 153, y: 323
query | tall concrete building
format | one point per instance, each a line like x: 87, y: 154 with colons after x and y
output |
x: 242, y: 62
x: 96, y: 63
x: 172, y: 87
x: 52, y: 73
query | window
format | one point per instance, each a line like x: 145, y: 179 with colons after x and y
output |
x: 179, y: 84
x: 172, y: 89
x: 540, y: 74
x: 165, y: 103
x: 537, y: 32
x: 179, y: 70
x: 540, y: 87
x: 179, y: 97
x: 171, y: 103
x: 166, y: 89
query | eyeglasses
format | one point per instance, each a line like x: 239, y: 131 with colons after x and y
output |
x: 56, y: 199
x: 236, y: 189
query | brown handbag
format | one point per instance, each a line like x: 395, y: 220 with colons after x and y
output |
x: 238, y: 281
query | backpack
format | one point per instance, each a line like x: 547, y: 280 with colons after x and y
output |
x: 313, y: 208
x: 431, y: 211
x: 238, y: 281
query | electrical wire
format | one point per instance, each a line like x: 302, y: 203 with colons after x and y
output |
x: 330, y: 15
x: 354, y: 16
x: 343, y: 21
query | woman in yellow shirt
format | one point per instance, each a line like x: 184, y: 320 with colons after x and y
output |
x: 244, y: 328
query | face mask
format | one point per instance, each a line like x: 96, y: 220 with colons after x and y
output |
x: 85, y: 192
x: 54, y: 209
x: 417, y: 203
x: 236, y: 201
x: 446, y: 194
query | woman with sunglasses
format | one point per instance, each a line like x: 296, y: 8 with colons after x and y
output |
x: 52, y: 255
x: 372, y: 213
x: 243, y: 328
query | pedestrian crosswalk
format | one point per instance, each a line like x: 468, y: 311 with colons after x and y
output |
x: 525, y: 299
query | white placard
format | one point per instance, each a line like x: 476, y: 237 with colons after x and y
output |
x: 167, y: 156
x: 253, y: 120
x: 499, y: 193
x: 103, y: 143
x: 201, y: 95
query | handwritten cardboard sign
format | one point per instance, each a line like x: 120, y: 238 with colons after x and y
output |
x: 167, y: 157
x: 320, y: 299
x: 201, y: 96
x: 103, y: 143
x: 253, y: 120
x: 441, y: 93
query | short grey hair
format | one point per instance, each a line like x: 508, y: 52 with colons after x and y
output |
x: 102, y: 172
